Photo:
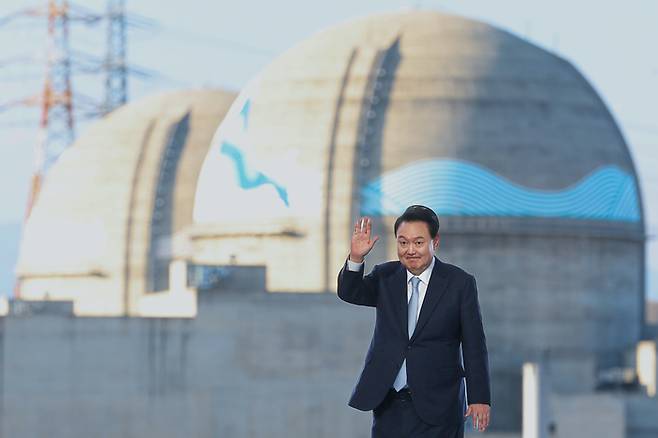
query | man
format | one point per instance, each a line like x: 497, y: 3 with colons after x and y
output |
x: 413, y: 378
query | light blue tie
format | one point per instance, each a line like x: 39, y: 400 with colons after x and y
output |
x: 412, y: 312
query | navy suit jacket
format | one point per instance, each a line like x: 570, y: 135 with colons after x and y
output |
x: 449, y: 318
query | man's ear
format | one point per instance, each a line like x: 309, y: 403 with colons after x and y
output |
x: 436, y: 242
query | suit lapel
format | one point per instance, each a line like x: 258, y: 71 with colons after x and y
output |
x: 435, y: 290
x: 398, y: 285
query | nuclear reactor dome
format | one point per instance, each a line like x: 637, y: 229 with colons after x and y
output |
x: 100, y: 231
x: 532, y: 180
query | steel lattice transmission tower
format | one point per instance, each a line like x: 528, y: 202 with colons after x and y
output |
x: 57, y: 124
x: 116, y: 82
x: 56, y: 98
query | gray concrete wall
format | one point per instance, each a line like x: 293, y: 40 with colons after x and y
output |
x: 566, y: 300
x: 590, y: 415
x: 641, y: 419
x: 605, y: 415
x: 250, y: 365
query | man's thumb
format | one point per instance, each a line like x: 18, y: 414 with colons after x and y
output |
x: 468, y: 412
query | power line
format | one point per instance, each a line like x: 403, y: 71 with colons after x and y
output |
x: 60, y: 107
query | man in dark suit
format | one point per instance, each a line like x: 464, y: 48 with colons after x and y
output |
x: 428, y: 319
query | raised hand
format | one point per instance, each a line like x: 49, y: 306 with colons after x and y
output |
x: 362, y: 240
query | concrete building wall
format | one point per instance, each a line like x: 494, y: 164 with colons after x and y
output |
x: 589, y: 415
x: 604, y: 415
x: 641, y: 419
x: 535, y: 306
x: 250, y: 365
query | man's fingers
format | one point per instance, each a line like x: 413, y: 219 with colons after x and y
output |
x: 480, y: 421
x: 358, y: 226
x: 362, y: 225
x: 480, y: 418
x: 362, y: 232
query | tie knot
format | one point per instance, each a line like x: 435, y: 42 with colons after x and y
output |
x: 415, y: 281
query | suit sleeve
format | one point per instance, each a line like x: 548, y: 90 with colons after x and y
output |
x: 474, y: 346
x: 355, y: 288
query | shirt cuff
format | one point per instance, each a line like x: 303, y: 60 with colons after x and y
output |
x: 353, y: 266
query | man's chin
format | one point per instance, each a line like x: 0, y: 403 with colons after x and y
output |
x: 413, y: 265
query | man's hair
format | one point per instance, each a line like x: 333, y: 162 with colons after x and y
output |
x: 419, y: 213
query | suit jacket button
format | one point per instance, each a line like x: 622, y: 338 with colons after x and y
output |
x: 409, y: 347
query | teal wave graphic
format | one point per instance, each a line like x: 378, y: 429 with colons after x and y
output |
x: 248, y: 177
x: 459, y: 188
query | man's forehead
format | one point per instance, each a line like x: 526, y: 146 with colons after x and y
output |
x: 413, y: 230
x: 414, y: 226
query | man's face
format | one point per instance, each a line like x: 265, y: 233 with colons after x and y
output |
x: 415, y: 246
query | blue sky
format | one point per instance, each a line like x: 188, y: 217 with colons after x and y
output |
x: 198, y: 43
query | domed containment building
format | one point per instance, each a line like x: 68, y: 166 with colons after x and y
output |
x: 102, y: 228
x: 530, y: 175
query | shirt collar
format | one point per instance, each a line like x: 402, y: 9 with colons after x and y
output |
x: 425, y: 275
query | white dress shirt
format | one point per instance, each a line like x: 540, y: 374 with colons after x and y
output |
x: 422, y: 286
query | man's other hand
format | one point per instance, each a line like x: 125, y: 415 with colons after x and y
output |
x: 480, y: 414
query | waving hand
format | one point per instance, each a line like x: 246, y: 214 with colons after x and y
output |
x: 362, y: 239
